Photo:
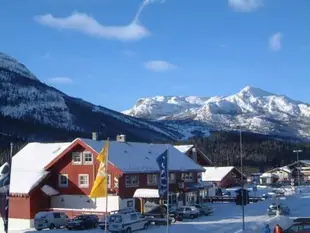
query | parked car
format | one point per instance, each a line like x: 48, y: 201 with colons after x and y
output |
x: 282, y: 208
x: 51, y: 220
x: 127, y: 221
x: 188, y: 212
x: 85, y: 221
x: 301, y: 225
x: 226, y: 194
x: 203, y: 209
x: 161, y: 212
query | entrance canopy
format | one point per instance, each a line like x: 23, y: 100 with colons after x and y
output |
x: 146, y: 193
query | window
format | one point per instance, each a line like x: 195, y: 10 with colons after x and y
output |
x: 132, y: 181
x: 152, y: 179
x: 133, y: 217
x: 63, y: 180
x: 129, y: 204
x: 187, y: 177
x: 172, y: 178
x: 83, y: 181
x: 77, y: 158
x: 109, y: 181
x: 115, y: 182
x: 56, y: 215
x: 87, y: 158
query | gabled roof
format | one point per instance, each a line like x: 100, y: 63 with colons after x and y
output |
x: 28, y: 165
x: 134, y: 157
x: 216, y: 173
x: 306, y: 162
x: 183, y: 148
x: 284, y: 168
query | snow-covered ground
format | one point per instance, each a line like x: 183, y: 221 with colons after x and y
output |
x: 227, y: 217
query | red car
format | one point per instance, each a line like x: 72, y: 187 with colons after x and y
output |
x: 301, y: 225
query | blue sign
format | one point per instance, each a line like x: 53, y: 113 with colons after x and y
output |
x: 162, y: 162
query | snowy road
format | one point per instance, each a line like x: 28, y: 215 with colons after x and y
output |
x: 226, y: 218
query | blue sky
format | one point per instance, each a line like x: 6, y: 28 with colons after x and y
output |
x: 95, y: 50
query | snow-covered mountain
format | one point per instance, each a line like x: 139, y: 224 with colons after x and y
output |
x: 33, y: 110
x: 252, y: 109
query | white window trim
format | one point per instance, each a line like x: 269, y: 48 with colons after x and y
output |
x: 109, y: 180
x: 83, y: 185
x: 81, y: 159
x: 172, y: 181
x: 149, y: 181
x: 132, y: 185
x: 84, y: 155
x: 187, y: 179
x: 59, y: 181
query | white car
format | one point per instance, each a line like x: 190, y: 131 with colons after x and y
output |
x: 51, y: 220
x: 188, y: 212
x: 127, y: 222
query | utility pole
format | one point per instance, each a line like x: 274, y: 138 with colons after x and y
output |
x: 242, y: 182
x: 298, y: 163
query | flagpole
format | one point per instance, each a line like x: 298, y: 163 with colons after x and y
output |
x: 106, y: 198
x: 168, y: 176
x: 7, y: 199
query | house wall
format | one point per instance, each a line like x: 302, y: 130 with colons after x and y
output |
x: 200, y: 158
x: 65, y: 166
x: 128, y: 192
x: 283, y: 176
x: 79, y: 202
x: 233, y: 178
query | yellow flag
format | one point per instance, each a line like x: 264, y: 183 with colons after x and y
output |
x: 99, y: 188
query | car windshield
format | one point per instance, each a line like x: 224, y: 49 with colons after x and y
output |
x: 116, y: 219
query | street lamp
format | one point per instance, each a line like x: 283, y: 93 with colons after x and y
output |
x: 242, y: 191
x: 298, y: 163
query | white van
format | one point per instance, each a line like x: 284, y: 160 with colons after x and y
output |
x: 127, y: 222
x: 51, y: 220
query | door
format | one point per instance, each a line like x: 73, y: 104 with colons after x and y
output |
x: 135, y: 224
x: 57, y: 221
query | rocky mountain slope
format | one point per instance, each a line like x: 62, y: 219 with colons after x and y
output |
x: 252, y: 109
x: 32, y: 110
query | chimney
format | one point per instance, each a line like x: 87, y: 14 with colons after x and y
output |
x: 121, y: 138
x: 94, y: 136
x: 194, y: 154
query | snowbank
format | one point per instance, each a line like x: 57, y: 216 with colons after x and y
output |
x: 283, y: 221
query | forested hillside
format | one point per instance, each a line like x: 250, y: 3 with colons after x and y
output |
x: 259, y: 152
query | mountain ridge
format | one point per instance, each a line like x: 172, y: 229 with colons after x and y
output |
x: 25, y: 100
x: 251, y: 109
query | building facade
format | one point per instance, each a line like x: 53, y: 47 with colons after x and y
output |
x: 59, y: 176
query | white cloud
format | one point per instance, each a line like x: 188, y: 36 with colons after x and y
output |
x: 159, y: 66
x: 60, y: 80
x: 83, y: 23
x: 275, y: 41
x: 129, y: 53
x: 245, y: 5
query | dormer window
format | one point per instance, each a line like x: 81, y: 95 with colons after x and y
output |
x: 77, y: 158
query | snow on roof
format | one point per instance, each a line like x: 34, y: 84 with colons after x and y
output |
x: 216, y: 173
x: 28, y: 165
x: 133, y: 157
x: 50, y: 191
x: 183, y: 148
x: 146, y: 193
x: 305, y: 161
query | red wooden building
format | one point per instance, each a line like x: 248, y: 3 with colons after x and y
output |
x: 59, y: 176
